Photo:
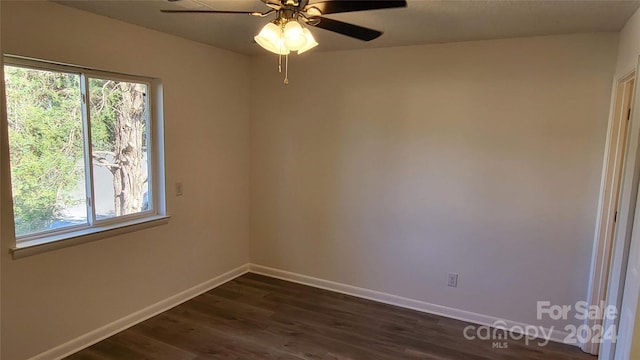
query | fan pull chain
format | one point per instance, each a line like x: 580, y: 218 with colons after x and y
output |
x: 280, y: 63
x: 286, y: 69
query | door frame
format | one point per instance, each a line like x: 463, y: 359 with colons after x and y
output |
x: 611, y: 186
x: 3, y: 137
x: 628, y: 199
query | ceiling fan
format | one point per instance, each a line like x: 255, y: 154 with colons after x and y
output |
x: 287, y: 32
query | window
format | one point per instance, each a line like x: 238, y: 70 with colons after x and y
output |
x: 81, y: 150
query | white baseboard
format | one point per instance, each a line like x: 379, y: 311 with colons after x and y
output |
x: 126, y: 322
x: 480, y: 319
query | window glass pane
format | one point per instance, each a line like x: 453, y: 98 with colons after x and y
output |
x: 119, y: 115
x: 46, y: 149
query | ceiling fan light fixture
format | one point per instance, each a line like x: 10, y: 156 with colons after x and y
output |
x: 294, y: 36
x: 288, y: 32
x: 311, y: 42
x: 271, y: 39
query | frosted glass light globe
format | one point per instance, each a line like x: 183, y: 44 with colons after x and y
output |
x: 271, y: 38
x: 311, y: 42
x: 294, y: 37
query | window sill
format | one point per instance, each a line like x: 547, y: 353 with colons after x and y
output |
x: 50, y: 243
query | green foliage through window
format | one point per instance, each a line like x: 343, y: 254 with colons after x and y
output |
x: 47, y: 127
x: 46, y: 143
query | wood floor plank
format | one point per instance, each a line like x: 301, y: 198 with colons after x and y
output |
x: 363, y: 329
x: 290, y: 335
x: 258, y: 317
x: 131, y: 345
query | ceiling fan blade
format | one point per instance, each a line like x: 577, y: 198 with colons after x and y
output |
x: 211, y: 12
x: 339, y: 6
x: 354, y: 31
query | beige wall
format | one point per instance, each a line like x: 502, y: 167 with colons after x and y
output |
x: 51, y: 298
x: 479, y: 158
x: 388, y: 168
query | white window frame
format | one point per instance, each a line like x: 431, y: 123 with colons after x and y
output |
x: 99, y: 228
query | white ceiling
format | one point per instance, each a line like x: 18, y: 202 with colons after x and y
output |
x: 422, y: 22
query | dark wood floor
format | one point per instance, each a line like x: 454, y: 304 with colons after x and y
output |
x: 256, y: 317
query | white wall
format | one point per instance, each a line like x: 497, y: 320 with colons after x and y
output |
x: 629, y: 45
x: 50, y: 298
x: 388, y: 168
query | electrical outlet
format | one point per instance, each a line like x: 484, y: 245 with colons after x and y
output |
x: 453, y: 280
x: 179, y: 189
